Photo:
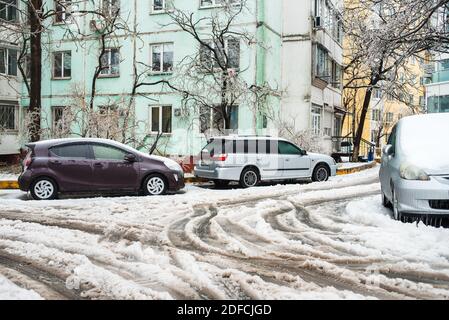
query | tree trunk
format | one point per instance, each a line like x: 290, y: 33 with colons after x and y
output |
x: 35, y: 19
x: 361, y: 125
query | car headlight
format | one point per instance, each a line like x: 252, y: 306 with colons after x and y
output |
x: 172, y: 165
x: 411, y: 172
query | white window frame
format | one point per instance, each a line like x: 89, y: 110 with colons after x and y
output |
x: 65, y: 18
x: 62, y: 77
x: 108, y: 10
x: 7, y: 17
x: 166, y: 6
x: 219, y: 3
x: 6, y: 65
x: 374, y: 134
x: 160, y: 107
x: 16, y: 117
x: 226, y: 49
x: 53, y: 115
x: 162, y: 45
x: 376, y: 115
x: 316, y: 119
x: 109, y: 74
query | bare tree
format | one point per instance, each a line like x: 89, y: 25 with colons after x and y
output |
x: 382, y: 36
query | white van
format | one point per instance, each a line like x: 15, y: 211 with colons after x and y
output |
x: 250, y: 160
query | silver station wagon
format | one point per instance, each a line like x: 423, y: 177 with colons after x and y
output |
x: 250, y: 160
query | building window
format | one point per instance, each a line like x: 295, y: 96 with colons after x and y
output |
x: 211, y: 118
x: 8, y: 117
x: 162, y: 58
x: 375, y: 115
x: 161, y: 119
x: 374, y: 136
x: 63, y: 10
x: 8, y: 62
x: 316, y: 119
x: 321, y: 63
x: 337, y: 75
x: 377, y: 94
x: 217, y: 3
x: 159, y: 6
x: 8, y: 10
x: 389, y: 117
x: 58, y: 118
x: 110, y: 63
x: 111, y: 8
x: 62, y: 65
x: 219, y: 57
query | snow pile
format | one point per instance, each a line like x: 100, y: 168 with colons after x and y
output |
x: 10, y: 291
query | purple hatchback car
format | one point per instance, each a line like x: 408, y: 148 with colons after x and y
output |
x: 95, y: 166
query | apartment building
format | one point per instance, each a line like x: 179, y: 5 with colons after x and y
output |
x: 296, y: 49
x: 10, y: 83
x: 312, y: 62
x: 436, y: 80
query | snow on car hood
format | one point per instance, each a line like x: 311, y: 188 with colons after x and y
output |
x: 424, y: 142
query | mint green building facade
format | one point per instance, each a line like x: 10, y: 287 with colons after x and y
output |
x: 69, y: 64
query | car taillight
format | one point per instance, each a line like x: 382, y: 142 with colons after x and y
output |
x: 220, y: 157
x: 27, y: 162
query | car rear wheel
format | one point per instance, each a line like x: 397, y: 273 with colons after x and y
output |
x: 44, y: 189
x: 155, y: 185
x: 320, y: 173
x: 249, y: 178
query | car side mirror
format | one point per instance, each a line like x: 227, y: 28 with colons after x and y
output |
x: 388, y: 150
x: 303, y: 152
x: 130, y: 157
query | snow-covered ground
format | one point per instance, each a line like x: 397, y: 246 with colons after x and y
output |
x: 8, y: 176
x: 352, y: 165
x: 317, y: 241
x: 10, y: 291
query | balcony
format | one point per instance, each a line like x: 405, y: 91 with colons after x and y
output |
x: 440, y: 76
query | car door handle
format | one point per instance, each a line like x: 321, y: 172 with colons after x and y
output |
x: 98, y: 165
x: 287, y: 160
x: 57, y: 162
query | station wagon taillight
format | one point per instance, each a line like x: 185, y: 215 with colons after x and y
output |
x: 220, y: 157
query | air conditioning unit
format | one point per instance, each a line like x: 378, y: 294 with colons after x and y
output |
x: 95, y: 25
x: 318, y: 23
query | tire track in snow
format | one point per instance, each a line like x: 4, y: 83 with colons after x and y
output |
x: 53, y: 282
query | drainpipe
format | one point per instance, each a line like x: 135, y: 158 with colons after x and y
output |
x: 260, y: 55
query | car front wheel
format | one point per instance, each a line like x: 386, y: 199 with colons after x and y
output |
x: 155, y: 185
x: 44, y: 189
x: 397, y: 215
x: 320, y: 174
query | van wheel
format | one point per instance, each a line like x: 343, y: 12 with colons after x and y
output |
x: 249, y: 178
x: 155, y: 185
x: 320, y: 173
x: 44, y: 189
x: 221, y: 183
